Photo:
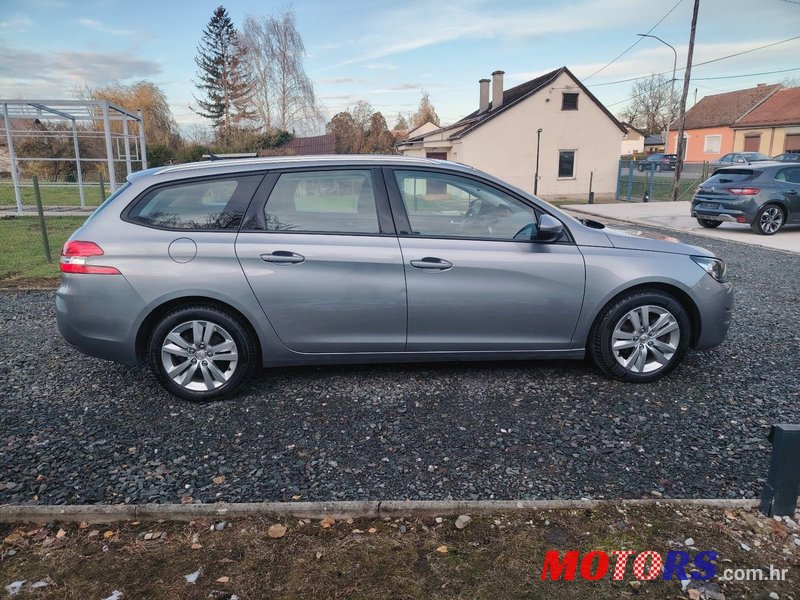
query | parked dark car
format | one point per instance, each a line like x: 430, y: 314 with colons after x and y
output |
x: 788, y: 157
x: 766, y: 196
x: 658, y: 162
x: 739, y: 158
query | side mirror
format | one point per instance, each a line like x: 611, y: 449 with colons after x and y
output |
x: 549, y: 230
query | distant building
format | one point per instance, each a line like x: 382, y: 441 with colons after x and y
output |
x: 773, y: 127
x: 709, y: 123
x: 632, y: 140
x: 579, y: 136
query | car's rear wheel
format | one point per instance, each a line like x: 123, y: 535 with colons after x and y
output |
x: 708, y: 223
x: 769, y: 219
x: 640, y: 166
x: 201, y: 353
x: 658, y: 168
x: 641, y: 336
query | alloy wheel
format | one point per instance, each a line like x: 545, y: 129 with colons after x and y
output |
x: 199, y: 355
x: 645, y: 339
x: 771, y: 219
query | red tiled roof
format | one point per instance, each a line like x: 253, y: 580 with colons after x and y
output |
x: 782, y: 108
x: 722, y: 110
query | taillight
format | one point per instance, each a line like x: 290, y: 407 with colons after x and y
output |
x: 743, y: 191
x: 74, y: 255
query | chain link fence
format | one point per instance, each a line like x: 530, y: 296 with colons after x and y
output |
x: 643, y: 181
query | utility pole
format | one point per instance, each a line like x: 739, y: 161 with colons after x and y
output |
x: 681, y: 145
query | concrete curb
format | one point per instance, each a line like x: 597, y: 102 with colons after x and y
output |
x: 369, y: 509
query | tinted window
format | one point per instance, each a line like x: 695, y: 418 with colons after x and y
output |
x: 209, y: 204
x: 566, y: 163
x: 731, y: 176
x: 791, y: 175
x: 442, y: 205
x: 323, y: 201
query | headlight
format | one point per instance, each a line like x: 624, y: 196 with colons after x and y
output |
x: 713, y: 266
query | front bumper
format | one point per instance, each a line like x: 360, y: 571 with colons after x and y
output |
x: 96, y: 314
x: 714, y: 301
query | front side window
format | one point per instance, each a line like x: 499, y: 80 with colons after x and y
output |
x: 212, y: 204
x: 323, y: 202
x: 569, y: 101
x: 566, y: 163
x: 444, y: 205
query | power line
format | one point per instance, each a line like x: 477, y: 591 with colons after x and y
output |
x: 633, y: 45
x: 713, y: 60
x: 745, y: 75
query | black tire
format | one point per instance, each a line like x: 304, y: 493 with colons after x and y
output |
x: 708, y: 223
x: 246, y: 349
x: 758, y: 227
x: 658, y: 168
x: 600, y: 337
x: 640, y: 167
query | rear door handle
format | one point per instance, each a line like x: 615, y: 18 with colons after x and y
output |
x: 432, y: 263
x: 283, y: 257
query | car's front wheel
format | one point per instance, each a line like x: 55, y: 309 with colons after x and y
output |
x: 768, y: 220
x: 709, y: 223
x: 641, y: 336
x: 201, y: 353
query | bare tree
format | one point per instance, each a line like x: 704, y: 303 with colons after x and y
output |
x: 283, y: 95
x: 425, y: 112
x: 401, y: 124
x: 649, y: 107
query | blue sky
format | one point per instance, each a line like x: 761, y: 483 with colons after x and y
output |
x: 386, y: 52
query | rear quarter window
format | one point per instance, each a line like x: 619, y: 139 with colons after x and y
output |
x: 210, y: 204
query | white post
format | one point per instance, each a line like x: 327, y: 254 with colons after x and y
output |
x: 127, y: 143
x: 143, y: 149
x: 112, y: 176
x: 12, y: 158
x: 78, y: 162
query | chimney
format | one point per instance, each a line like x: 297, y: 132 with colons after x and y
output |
x: 497, y: 89
x: 761, y: 85
x: 484, y: 101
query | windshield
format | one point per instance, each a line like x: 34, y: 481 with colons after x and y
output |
x: 730, y: 176
x: 108, y: 200
x: 751, y: 156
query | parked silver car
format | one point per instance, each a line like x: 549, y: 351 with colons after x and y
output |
x: 207, y: 270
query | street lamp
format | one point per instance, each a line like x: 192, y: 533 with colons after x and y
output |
x: 671, y: 85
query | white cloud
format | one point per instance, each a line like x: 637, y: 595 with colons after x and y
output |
x: 98, y: 26
x: 18, y: 23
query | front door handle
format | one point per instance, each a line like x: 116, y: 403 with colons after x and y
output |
x: 283, y: 257
x: 432, y: 263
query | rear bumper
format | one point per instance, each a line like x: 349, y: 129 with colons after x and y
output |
x: 97, y: 313
x: 714, y: 301
x: 735, y: 211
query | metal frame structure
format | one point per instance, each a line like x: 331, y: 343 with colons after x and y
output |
x: 76, y: 111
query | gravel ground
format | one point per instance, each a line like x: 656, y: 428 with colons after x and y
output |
x: 78, y: 430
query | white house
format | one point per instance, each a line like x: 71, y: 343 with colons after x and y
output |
x: 579, y: 137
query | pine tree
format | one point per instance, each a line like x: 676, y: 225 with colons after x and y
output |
x: 223, y: 79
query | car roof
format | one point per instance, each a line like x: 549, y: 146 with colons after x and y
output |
x: 217, y: 167
x: 756, y: 166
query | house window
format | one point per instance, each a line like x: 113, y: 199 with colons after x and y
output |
x: 713, y: 144
x: 569, y: 101
x: 566, y: 164
x: 752, y: 143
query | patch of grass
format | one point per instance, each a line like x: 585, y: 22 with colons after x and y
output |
x: 22, y: 258
x: 52, y: 195
x: 497, y: 556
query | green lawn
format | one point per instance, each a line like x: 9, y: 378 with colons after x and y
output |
x: 56, y: 195
x: 22, y: 258
x: 661, y: 189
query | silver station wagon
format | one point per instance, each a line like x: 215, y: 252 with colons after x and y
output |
x: 206, y: 271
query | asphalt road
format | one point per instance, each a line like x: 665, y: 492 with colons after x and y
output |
x: 78, y: 430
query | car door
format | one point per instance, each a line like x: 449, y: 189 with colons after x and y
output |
x: 319, y: 250
x: 475, y: 280
x: 788, y: 182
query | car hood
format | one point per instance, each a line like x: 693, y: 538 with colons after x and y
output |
x: 652, y: 242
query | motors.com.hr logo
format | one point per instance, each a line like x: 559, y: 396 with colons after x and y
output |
x: 646, y: 566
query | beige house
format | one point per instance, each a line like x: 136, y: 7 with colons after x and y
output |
x: 632, y: 140
x: 773, y: 127
x: 579, y: 137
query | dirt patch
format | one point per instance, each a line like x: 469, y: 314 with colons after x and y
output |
x: 496, y: 556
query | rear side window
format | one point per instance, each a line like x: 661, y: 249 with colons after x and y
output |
x: 212, y: 204
x: 732, y: 176
x: 323, y: 202
x: 790, y: 175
